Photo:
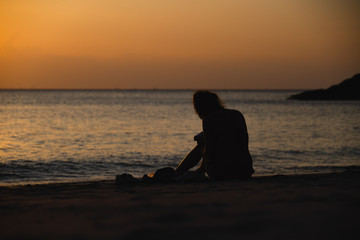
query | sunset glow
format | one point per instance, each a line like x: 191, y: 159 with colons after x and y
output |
x: 178, y: 44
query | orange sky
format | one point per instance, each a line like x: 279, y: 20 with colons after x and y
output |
x: 226, y: 44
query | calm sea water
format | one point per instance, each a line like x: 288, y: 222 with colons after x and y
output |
x: 55, y: 136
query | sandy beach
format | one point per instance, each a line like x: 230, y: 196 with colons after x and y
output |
x: 318, y: 206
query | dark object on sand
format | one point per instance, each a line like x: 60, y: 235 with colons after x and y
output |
x: 126, y: 178
x: 166, y: 174
x: 348, y: 89
x: 162, y: 175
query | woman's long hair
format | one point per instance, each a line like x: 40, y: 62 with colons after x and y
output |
x: 206, y: 102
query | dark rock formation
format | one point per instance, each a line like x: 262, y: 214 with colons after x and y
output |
x: 348, y: 89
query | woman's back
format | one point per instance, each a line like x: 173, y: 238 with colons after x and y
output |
x: 226, y: 141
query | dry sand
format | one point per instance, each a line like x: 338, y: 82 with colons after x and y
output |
x: 324, y: 206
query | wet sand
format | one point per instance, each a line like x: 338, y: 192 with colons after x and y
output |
x: 322, y: 206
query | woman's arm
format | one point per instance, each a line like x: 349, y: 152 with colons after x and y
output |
x: 189, y: 161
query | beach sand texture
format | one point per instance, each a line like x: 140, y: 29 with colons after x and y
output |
x: 323, y: 206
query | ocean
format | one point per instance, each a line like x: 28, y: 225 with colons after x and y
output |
x: 62, y: 136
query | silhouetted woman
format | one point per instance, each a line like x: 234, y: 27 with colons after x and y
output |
x: 223, y: 144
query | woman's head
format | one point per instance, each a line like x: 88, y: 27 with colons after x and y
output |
x: 206, y: 102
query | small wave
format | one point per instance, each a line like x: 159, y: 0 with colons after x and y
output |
x: 8, y: 175
x: 56, y: 170
x: 305, y: 169
x: 326, y: 168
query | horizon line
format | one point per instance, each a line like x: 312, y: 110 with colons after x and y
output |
x: 153, y: 89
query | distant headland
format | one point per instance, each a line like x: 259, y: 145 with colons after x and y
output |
x: 349, y: 89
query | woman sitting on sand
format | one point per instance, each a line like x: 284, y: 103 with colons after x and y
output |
x: 223, y: 144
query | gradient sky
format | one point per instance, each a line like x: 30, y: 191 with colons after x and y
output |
x: 213, y: 44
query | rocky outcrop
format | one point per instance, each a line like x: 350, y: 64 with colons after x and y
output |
x: 348, y: 89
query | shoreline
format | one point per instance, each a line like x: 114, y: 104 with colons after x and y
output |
x: 308, y: 206
x: 344, y: 169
